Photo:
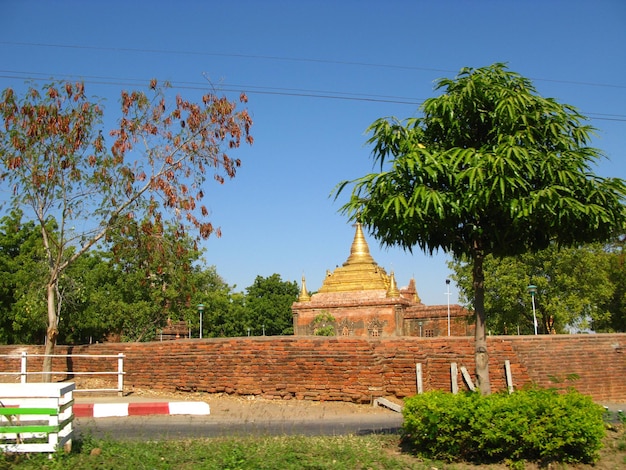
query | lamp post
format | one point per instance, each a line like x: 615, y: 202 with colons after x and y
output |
x: 200, y: 310
x: 533, y: 290
x: 448, y: 294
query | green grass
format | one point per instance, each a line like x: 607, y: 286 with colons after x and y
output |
x: 285, y: 452
x: 376, y: 452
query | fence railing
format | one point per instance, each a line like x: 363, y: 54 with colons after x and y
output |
x: 24, y: 373
x: 36, y: 417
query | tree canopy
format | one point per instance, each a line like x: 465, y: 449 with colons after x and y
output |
x: 62, y: 166
x: 574, y: 290
x: 130, y: 293
x: 268, y: 304
x: 491, y: 167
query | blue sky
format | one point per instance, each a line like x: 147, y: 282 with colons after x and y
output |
x: 317, y: 73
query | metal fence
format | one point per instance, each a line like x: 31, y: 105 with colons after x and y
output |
x: 24, y: 373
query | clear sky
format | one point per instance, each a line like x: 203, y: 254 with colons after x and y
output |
x: 317, y: 73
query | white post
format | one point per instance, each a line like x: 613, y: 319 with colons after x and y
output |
x: 418, y: 373
x: 448, y: 294
x: 454, y: 374
x: 200, y: 312
x: 120, y: 374
x: 532, y: 289
x: 534, y: 314
x: 509, y: 376
x: 468, y: 378
x: 23, y: 368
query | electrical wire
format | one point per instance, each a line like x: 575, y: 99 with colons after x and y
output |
x: 254, y: 89
x: 283, y: 59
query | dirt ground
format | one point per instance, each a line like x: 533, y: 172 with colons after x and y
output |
x: 252, y: 407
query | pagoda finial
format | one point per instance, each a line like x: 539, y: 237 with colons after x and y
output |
x: 359, y: 251
x: 393, y: 287
x: 412, y: 291
x: 304, y: 295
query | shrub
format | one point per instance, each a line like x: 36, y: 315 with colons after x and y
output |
x: 534, y: 424
x: 323, y: 324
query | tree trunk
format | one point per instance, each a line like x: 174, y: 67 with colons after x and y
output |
x: 51, y: 334
x: 480, y: 343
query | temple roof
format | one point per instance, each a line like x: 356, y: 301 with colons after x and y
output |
x: 359, y: 272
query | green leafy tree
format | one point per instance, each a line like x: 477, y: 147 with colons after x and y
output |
x: 59, y: 165
x: 22, y: 267
x: 616, y: 304
x: 93, y: 307
x: 157, y: 266
x: 490, y: 168
x: 573, y: 288
x: 268, y: 305
x: 222, y: 314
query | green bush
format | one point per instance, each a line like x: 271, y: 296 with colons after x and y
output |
x: 533, y: 425
x: 323, y: 324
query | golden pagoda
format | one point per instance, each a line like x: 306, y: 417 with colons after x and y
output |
x: 359, y: 273
x: 360, y: 299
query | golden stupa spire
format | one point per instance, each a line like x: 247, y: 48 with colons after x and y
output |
x: 393, y: 287
x: 359, y: 272
x: 304, y: 295
x: 359, y: 251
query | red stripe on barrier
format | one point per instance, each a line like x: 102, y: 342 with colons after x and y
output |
x: 139, y: 409
x: 83, y: 410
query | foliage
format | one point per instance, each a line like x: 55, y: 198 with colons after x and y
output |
x: 129, y: 294
x: 491, y: 168
x: 22, y: 268
x: 61, y: 167
x: 223, y: 308
x: 268, y: 305
x: 616, y: 305
x: 574, y: 287
x: 534, y: 425
x: 324, y: 324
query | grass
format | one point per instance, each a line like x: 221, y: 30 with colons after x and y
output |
x: 284, y: 452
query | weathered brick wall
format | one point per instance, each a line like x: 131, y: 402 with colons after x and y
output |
x: 599, y: 362
x: 349, y: 369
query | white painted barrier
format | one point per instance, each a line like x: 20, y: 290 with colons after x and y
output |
x: 36, y: 417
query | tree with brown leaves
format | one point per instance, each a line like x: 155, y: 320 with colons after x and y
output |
x: 152, y: 167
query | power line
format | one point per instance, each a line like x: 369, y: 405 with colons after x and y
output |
x: 284, y: 59
x: 251, y: 89
x: 224, y: 54
x: 118, y: 81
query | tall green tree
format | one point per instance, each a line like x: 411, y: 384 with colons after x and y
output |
x: 22, y: 268
x: 59, y: 165
x: 268, y: 305
x: 222, y: 308
x: 155, y: 270
x: 490, y: 168
x: 573, y: 288
x: 616, y: 305
x: 93, y: 307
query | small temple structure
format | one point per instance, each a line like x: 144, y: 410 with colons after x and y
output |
x: 359, y: 298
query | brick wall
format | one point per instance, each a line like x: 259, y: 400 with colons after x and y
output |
x: 349, y: 369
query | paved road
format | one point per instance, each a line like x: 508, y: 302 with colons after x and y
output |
x: 177, y: 427
x: 259, y: 417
